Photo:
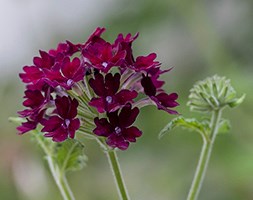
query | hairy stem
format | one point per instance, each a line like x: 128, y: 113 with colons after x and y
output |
x: 60, y: 180
x: 204, y: 157
x: 114, y: 163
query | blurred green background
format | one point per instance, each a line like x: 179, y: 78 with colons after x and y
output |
x: 198, y: 38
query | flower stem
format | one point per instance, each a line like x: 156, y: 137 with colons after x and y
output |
x: 204, y: 157
x: 60, y: 180
x: 119, y: 181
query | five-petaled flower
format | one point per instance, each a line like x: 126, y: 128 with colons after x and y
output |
x: 66, y: 74
x: 107, y: 90
x: 117, y: 128
x: 162, y: 100
x: 64, y: 123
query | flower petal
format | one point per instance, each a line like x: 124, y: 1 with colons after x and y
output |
x: 148, y: 86
x: 63, y: 106
x: 113, y: 118
x: 53, y: 123
x: 117, y: 141
x: 146, y: 62
x: 97, y: 85
x: 59, y: 135
x: 124, y: 96
x: 98, y: 103
x: 34, y: 98
x: 168, y: 100
x: 131, y: 133
x: 112, y: 83
x: 160, y: 106
x: 127, y: 115
x: 73, y: 127
x: 96, y: 34
x: 73, y: 108
x: 32, y: 74
x: 103, y: 128
x: 26, y: 126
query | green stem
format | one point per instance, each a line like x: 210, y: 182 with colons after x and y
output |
x: 59, y: 176
x: 60, y: 180
x: 114, y: 163
x: 204, y: 157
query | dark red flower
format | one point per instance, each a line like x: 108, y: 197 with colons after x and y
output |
x: 103, y: 56
x: 35, y: 101
x: 118, y: 129
x: 144, y: 63
x: 125, y: 44
x: 166, y: 101
x: 35, y: 73
x: 64, y: 49
x: 27, y: 126
x: 162, y: 100
x: 31, y: 122
x: 95, y: 37
x: 110, y: 70
x: 107, y: 90
x: 66, y: 74
x: 64, y: 123
x: 45, y: 61
x: 32, y: 74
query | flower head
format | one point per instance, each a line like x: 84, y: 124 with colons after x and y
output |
x: 65, y: 84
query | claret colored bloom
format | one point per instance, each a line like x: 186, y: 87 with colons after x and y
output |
x: 66, y: 74
x: 162, y: 100
x: 64, y: 85
x: 117, y: 128
x: 63, y: 123
x: 107, y: 90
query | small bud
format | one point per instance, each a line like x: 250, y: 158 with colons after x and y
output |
x: 213, y: 93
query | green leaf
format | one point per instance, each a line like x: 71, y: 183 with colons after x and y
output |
x: 236, y: 102
x: 224, y: 126
x: 69, y: 156
x: 191, y: 124
x: 16, y: 120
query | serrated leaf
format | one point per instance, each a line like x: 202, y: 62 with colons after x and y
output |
x: 224, y: 126
x: 236, y: 102
x: 69, y: 156
x: 191, y: 124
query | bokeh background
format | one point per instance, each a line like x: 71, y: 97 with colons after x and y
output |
x: 199, y: 38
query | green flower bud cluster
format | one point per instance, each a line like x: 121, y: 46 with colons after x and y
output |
x: 213, y: 93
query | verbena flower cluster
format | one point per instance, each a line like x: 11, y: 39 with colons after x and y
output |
x: 96, y: 87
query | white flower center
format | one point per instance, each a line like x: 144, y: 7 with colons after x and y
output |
x: 66, y: 123
x: 108, y: 99
x: 70, y: 82
x: 117, y: 130
x: 104, y: 64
